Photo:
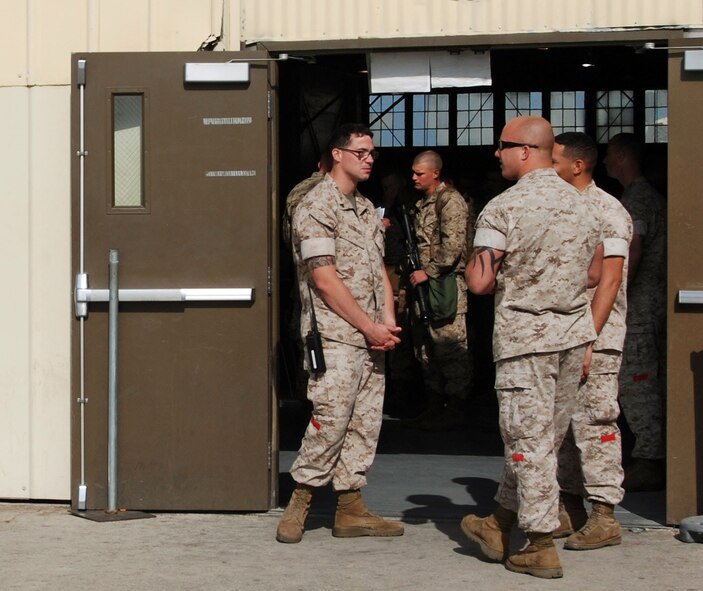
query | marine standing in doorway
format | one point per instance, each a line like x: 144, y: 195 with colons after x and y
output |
x: 338, y: 245
x: 590, y: 458
x: 442, y: 345
x: 533, y: 247
x: 293, y: 312
x: 642, y: 376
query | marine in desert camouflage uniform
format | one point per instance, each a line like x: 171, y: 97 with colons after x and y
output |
x: 293, y: 312
x: 590, y: 458
x: 642, y: 376
x: 533, y: 246
x: 338, y: 245
x: 442, y: 347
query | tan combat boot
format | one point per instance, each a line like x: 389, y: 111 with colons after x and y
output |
x: 601, y: 529
x: 353, y: 519
x: 572, y: 515
x: 492, y: 533
x: 539, y: 559
x: 292, y: 524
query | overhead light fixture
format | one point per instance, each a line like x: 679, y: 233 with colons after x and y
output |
x: 588, y: 65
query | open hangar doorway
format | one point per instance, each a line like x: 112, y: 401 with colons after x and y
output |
x: 601, y: 89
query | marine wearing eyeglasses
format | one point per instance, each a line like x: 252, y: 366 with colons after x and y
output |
x: 338, y: 248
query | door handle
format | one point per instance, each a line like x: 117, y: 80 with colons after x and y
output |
x: 690, y: 296
x: 83, y: 295
x: 184, y: 294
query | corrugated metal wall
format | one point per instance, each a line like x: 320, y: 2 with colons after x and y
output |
x: 36, y: 36
x: 288, y: 20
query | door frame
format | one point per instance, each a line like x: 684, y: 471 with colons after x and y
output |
x: 684, y: 323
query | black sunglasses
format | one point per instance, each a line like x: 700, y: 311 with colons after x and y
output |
x: 503, y: 145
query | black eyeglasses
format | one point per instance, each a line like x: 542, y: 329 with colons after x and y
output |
x: 503, y: 145
x: 361, y: 154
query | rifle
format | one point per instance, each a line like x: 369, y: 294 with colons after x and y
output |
x: 414, y: 262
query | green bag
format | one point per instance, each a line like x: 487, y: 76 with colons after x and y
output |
x: 443, y: 297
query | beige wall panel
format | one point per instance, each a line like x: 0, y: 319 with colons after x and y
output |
x: 179, y: 25
x: 50, y: 292
x: 640, y: 13
x: 119, y: 25
x: 56, y: 29
x: 279, y: 20
x: 233, y: 25
x: 14, y: 295
x: 13, y: 42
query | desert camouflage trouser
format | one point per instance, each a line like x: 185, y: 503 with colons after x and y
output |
x: 537, y: 396
x: 340, y: 441
x: 590, y: 457
x: 642, y: 395
x: 443, y: 352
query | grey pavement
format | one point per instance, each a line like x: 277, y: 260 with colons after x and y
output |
x: 43, y: 546
x: 429, y: 481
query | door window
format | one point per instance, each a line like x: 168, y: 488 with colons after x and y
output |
x: 128, y: 151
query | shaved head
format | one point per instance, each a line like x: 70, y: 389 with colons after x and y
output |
x: 430, y: 158
x: 528, y: 143
x: 427, y: 171
x: 532, y: 130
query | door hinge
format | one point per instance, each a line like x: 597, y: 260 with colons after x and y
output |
x: 270, y: 453
x: 269, y: 106
x: 269, y: 281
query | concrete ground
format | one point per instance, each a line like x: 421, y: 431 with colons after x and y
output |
x: 45, y: 547
x: 427, y: 480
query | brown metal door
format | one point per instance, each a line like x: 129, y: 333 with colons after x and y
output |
x: 177, y: 180
x: 685, y: 270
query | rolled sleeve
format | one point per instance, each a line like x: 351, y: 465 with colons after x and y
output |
x: 615, y: 247
x: 489, y: 237
x: 316, y: 247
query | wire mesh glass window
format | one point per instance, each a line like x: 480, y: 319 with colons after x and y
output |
x: 522, y: 103
x: 431, y: 120
x: 568, y: 111
x: 387, y: 119
x: 656, y: 116
x: 474, y: 119
x: 128, y: 150
x: 615, y: 113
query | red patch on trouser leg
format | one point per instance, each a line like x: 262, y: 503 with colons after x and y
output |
x: 315, y: 423
x: 640, y: 377
x: 518, y: 458
x: 609, y: 437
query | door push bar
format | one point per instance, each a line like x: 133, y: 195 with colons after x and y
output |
x: 83, y: 295
x: 690, y: 296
